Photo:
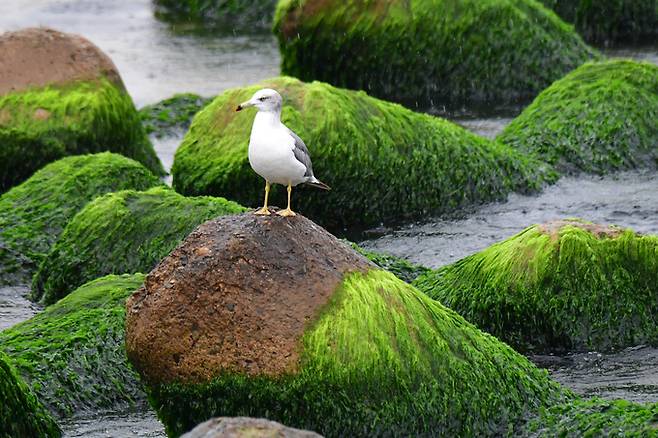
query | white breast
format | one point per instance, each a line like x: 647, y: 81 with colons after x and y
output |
x: 271, y: 151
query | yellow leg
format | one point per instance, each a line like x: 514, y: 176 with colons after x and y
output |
x: 287, y: 212
x: 265, y: 211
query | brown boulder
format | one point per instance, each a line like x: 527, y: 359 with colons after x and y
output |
x: 236, y: 295
x: 36, y: 57
x: 245, y: 427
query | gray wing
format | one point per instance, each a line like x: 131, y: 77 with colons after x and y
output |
x: 301, y: 153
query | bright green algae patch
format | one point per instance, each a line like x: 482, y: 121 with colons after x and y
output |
x: 382, y: 359
x: 172, y: 115
x: 428, y: 52
x: 41, y: 125
x: 73, y: 355
x: 229, y: 15
x: 382, y: 161
x: 21, y: 414
x: 398, y: 266
x: 610, y: 21
x: 599, y: 118
x: 596, y: 418
x: 127, y: 231
x: 567, y: 287
x: 33, y: 214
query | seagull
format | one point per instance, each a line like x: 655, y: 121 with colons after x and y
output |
x: 276, y: 153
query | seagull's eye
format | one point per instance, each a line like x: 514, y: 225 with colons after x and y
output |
x: 262, y: 98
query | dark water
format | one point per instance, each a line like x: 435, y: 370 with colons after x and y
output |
x: 156, y: 63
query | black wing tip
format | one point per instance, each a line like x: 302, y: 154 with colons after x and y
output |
x: 319, y: 185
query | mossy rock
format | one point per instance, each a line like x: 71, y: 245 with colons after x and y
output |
x: 562, y: 285
x: 599, y: 118
x: 40, y: 125
x: 172, y: 115
x: 22, y: 415
x: 72, y: 354
x: 429, y: 52
x: 607, y: 22
x: 401, y: 268
x: 228, y: 15
x: 127, y: 231
x: 33, y: 214
x: 596, y: 417
x: 382, y: 161
x: 274, y: 317
x: 382, y: 359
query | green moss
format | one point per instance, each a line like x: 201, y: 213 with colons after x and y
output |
x: 172, y: 115
x: 428, y: 52
x: 21, y: 415
x: 596, y: 417
x: 599, y: 118
x: 557, y: 288
x: 127, y: 231
x: 72, y: 354
x: 33, y: 214
x: 610, y: 21
x: 229, y: 15
x: 382, y: 359
x: 399, y: 267
x: 40, y: 125
x: 383, y: 162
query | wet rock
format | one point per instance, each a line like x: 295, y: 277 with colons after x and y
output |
x: 398, y: 266
x: 172, y: 116
x: 34, y: 213
x: 60, y: 95
x: 564, y: 285
x: 21, y: 415
x: 609, y: 22
x: 597, y: 119
x: 236, y: 16
x: 382, y: 161
x: 274, y: 317
x: 243, y: 427
x: 72, y: 354
x: 428, y: 53
x: 127, y: 231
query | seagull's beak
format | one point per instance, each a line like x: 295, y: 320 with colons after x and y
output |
x: 244, y: 105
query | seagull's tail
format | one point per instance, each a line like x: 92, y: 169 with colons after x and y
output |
x: 318, y: 184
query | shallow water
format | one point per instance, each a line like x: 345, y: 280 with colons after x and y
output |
x: 15, y: 306
x: 113, y: 425
x: 628, y: 199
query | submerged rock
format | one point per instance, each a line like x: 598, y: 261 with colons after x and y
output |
x: 22, y: 415
x: 33, y: 214
x: 127, y: 231
x: 244, y: 427
x: 428, y: 52
x: 607, y: 22
x: 562, y: 285
x: 60, y: 95
x: 398, y: 266
x: 172, y: 116
x: 596, y: 417
x: 274, y: 317
x: 239, y: 16
x: 599, y: 118
x: 382, y: 161
x: 72, y: 354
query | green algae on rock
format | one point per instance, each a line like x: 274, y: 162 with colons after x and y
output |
x: 72, y: 354
x: 22, y: 415
x: 127, y: 231
x: 599, y: 118
x: 562, y: 285
x: 274, y: 317
x: 596, y: 417
x: 428, y: 52
x: 401, y: 268
x: 38, y: 126
x: 230, y: 15
x: 33, y: 214
x: 608, y: 22
x: 172, y: 115
x: 382, y: 161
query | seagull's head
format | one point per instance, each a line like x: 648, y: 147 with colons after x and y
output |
x: 265, y: 100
